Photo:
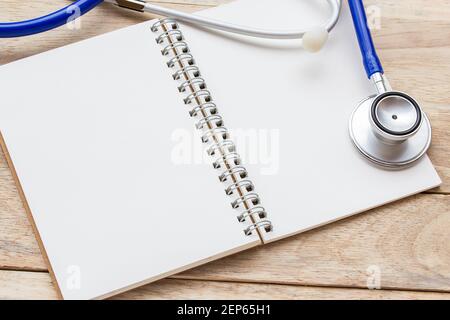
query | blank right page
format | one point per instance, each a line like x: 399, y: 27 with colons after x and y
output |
x: 290, y: 111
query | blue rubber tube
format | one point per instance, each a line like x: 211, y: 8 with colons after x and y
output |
x: 370, y: 58
x: 45, y: 23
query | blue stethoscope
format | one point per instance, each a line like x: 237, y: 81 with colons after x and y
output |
x: 389, y: 128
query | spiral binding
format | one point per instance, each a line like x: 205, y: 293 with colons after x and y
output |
x: 210, y: 123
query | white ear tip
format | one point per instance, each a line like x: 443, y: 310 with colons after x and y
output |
x: 315, y: 39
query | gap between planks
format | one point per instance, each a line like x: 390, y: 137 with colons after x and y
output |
x: 29, y: 285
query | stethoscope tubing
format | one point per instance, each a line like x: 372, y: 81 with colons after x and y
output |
x: 62, y: 16
x: 371, y: 61
x: 335, y: 5
x: 48, y: 22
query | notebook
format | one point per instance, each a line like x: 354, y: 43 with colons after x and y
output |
x: 138, y: 159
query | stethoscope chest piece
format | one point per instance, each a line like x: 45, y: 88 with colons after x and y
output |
x: 390, y: 130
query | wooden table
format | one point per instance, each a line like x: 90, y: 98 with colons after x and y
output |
x: 408, y: 242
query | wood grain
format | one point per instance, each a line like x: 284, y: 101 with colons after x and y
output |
x: 36, y: 285
x: 407, y: 241
x: 110, y: 18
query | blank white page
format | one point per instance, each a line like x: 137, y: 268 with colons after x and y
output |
x: 93, y: 130
x: 290, y: 111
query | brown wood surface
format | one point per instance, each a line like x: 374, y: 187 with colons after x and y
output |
x: 409, y: 241
x: 36, y: 285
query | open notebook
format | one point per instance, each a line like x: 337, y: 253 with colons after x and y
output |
x: 119, y: 169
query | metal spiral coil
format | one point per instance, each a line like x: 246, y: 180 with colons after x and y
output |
x: 243, y: 184
x: 169, y: 24
x: 249, y: 197
x: 266, y: 224
x: 233, y: 172
x: 227, y: 145
x: 180, y: 58
x: 216, y: 119
x: 204, y: 107
x: 260, y: 211
x: 230, y: 157
x: 200, y: 82
x: 194, y: 69
x: 201, y: 94
x: 215, y: 135
x: 179, y: 44
x: 176, y: 33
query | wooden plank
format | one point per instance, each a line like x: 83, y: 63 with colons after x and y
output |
x: 440, y: 149
x: 104, y: 19
x: 26, y: 285
x: 407, y: 241
x: 18, y: 245
x: 411, y: 24
x: 36, y: 285
x: 421, y: 72
x: 403, y: 25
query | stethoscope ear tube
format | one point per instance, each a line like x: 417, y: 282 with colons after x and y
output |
x: 80, y: 7
x: 48, y: 22
x: 371, y: 61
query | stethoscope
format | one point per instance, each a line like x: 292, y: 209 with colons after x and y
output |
x: 389, y: 128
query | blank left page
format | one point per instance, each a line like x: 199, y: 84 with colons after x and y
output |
x: 94, y: 131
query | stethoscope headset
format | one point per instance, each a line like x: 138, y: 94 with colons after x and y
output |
x: 389, y: 128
